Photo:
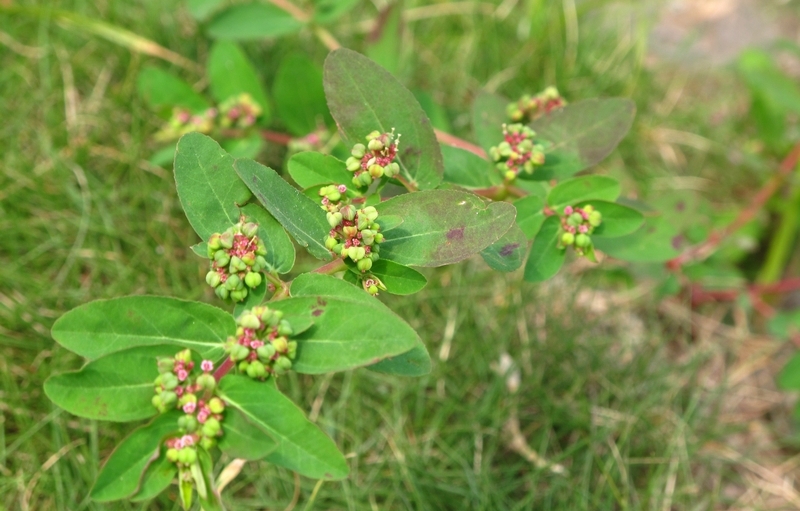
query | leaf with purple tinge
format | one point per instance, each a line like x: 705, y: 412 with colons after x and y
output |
x: 442, y: 226
x: 580, y: 135
x: 508, y: 253
x: 363, y: 97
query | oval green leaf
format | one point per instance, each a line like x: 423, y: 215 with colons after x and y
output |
x: 581, y: 134
x: 546, y: 258
x: 508, y: 253
x: 347, y: 333
x: 253, y: 21
x: 243, y: 438
x: 120, y: 476
x: 208, y: 187
x: 530, y: 215
x: 302, y: 217
x: 488, y: 116
x: 415, y: 362
x: 467, y: 169
x: 653, y: 242
x: 157, y: 477
x: 580, y: 189
x: 230, y: 73
x: 789, y: 377
x: 302, y: 446
x: 162, y: 91
x: 280, y: 249
x: 106, y: 326
x: 442, y: 226
x: 363, y: 97
x: 399, y: 279
x: 618, y: 220
x: 117, y: 387
x: 310, y: 168
x: 299, y: 96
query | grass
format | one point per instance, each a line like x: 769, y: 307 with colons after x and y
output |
x: 620, y: 400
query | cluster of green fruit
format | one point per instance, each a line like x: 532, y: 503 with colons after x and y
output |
x: 261, y: 346
x: 237, y: 260
x: 374, y: 160
x: 527, y: 108
x: 576, y: 225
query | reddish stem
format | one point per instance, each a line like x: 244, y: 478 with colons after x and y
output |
x: 706, y: 248
x: 332, y: 267
x: 447, y: 138
x: 223, y: 369
x: 755, y: 291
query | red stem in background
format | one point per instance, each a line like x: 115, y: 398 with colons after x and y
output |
x: 223, y: 369
x: 447, y: 138
x: 755, y: 291
x: 706, y: 248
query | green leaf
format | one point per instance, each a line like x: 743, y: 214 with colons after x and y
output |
x: 230, y: 73
x: 106, y: 326
x: 546, y: 258
x: 442, y: 226
x: 530, y: 215
x: 789, y: 377
x: 202, y: 9
x: 581, y: 189
x: 246, y: 147
x: 157, y: 477
x: 618, y: 220
x: 363, y: 97
x: 785, y: 324
x: 162, y: 91
x: 313, y: 169
x: 302, y: 446
x: 243, y: 438
x: 488, y: 116
x: 253, y: 21
x: 326, y: 11
x: 581, y: 134
x: 347, y: 333
x: 399, y: 279
x: 117, y: 387
x: 415, y: 362
x: 435, y: 112
x: 508, y: 253
x: 299, y: 96
x: 298, y: 214
x: 653, y: 242
x: 280, y: 249
x: 208, y: 187
x: 209, y: 499
x: 468, y: 169
x: 120, y: 475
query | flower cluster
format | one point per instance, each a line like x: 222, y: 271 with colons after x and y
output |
x: 374, y: 160
x: 517, y: 152
x: 372, y: 285
x: 261, y: 346
x: 183, y: 121
x: 528, y: 108
x: 237, y: 260
x: 354, y: 232
x: 239, y: 111
x: 576, y: 226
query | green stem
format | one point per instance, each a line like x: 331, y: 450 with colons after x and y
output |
x: 780, y: 248
x: 313, y: 496
x: 332, y: 267
x: 281, y: 287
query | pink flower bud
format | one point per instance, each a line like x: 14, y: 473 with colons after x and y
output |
x: 178, y: 391
x: 342, y: 188
x: 256, y: 344
x: 182, y: 374
x: 189, y: 407
x: 325, y: 201
x: 202, y: 416
x: 207, y: 366
x: 187, y: 440
x: 583, y: 229
x: 568, y: 210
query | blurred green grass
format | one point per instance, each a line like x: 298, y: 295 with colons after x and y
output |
x: 83, y: 216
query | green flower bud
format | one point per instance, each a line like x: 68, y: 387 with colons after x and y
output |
x: 165, y: 364
x: 250, y: 229
x: 356, y: 181
x: 373, y: 134
x: 207, y: 443
x: 249, y: 320
x: 206, y: 381
x: 252, y: 279
x: 373, y: 290
x: 365, y: 179
x: 239, y: 352
x: 233, y: 282
x: 156, y: 401
x: 280, y: 344
x: 358, y: 151
x: 237, y: 264
x: 378, y: 239
x: 334, y: 219
x: 348, y: 212
x: 284, y: 328
x: 353, y: 164
x: 216, y: 405
x: 494, y: 153
x: 330, y: 243
x: 283, y: 364
x: 172, y: 454
x: 371, y: 213
x: 238, y: 295
x: 169, y: 381
x: 168, y: 398
x: 364, y: 264
x: 504, y: 149
x: 567, y: 238
x: 510, y: 175
x: 226, y: 239
x: 375, y: 145
x: 249, y: 259
x: 213, y: 278
x: 375, y: 171
x: 277, y: 316
x: 266, y: 352
x: 190, y: 423
x: 211, y: 427
x: 292, y: 349
x: 243, y: 365
x: 582, y: 241
x: 214, y: 242
x: 261, y: 250
x: 595, y: 218
x: 391, y: 170
x: 187, y: 455
x: 222, y: 258
x: 187, y: 398
x: 256, y: 369
x: 222, y: 292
